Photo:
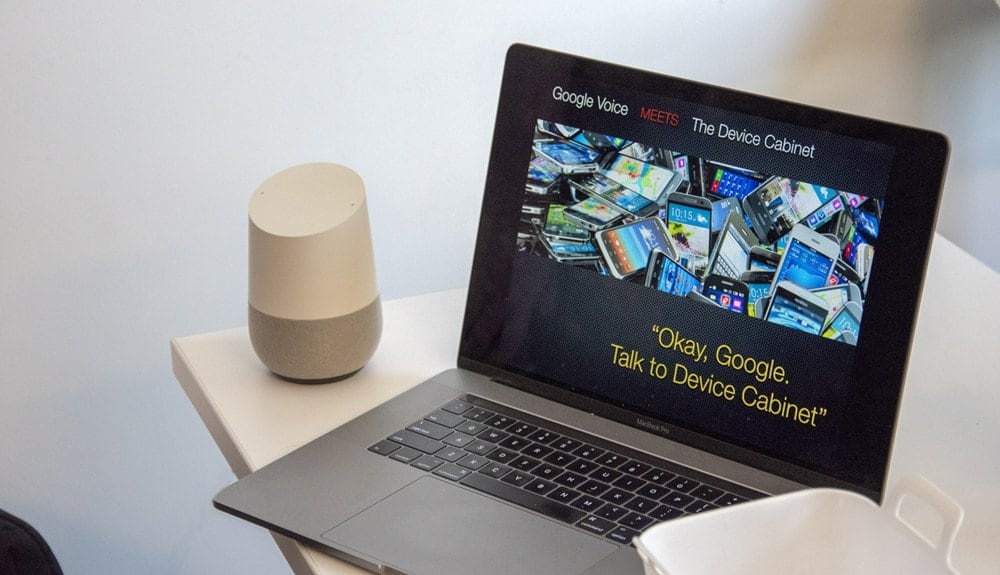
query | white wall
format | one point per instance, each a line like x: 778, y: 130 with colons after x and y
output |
x: 132, y: 135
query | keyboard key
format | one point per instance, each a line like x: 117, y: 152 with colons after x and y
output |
x: 405, y: 454
x: 493, y: 436
x: 611, y: 512
x: 642, y: 505
x: 596, y: 525
x: 450, y: 454
x: 416, y: 441
x: 430, y: 429
x: 451, y: 471
x: 559, y: 458
x: 480, y: 447
x: 494, y: 470
x: 635, y: 521
x: 588, y: 452
x: 427, y: 462
x: 665, y: 512
x: 543, y: 436
x: 501, y: 455
x: 611, y: 459
x: 707, y: 492
x: 582, y: 466
x: 700, y: 506
x: 628, y: 483
x: 384, y: 447
x: 478, y: 414
x: 527, y: 499
x: 622, y: 535
x: 517, y: 478
x: 587, y: 503
x: 447, y: 419
x: 652, y: 491
x: 730, y: 499
x: 524, y: 463
x: 514, y: 442
x: 658, y: 476
x: 500, y: 421
x: 546, y: 471
x: 566, y: 444
x: 605, y: 474
x: 563, y: 494
x: 616, y: 496
x: 570, y: 479
x: 522, y: 429
x: 678, y: 500
x: 457, y: 407
x: 636, y: 468
x: 536, y: 450
x: 473, y: 461
x: 682, y: 484
x: 459, y: 439
x: 471, y: 427
x: 539, y: 486
x: 592, y: 487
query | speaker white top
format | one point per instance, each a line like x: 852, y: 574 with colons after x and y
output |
x: 310, y: 244
x: 306, y: 200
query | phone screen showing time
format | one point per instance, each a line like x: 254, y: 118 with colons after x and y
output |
x: 690, y: 230
x: 757, y: 291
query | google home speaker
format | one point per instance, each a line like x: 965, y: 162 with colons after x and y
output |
x: 315, y: 314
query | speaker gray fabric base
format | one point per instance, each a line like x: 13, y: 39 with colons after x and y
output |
x: 320, y: 350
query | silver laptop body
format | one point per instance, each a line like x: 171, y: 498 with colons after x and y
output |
x: 586, y: 357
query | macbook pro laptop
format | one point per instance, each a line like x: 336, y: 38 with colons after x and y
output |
x: 683, y: 297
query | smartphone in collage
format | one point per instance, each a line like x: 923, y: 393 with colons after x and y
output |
x: 765, y: 246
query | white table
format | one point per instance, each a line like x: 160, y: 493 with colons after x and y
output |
x: 949, y: 430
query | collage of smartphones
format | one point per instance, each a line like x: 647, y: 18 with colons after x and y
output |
x: 766, y: 246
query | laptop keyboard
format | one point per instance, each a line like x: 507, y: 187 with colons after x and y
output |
x: 599, y: 487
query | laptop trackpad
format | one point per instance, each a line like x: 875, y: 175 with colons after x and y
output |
x: 431, y: 526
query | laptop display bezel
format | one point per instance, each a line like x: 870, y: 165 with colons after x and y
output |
x: 914, y: 182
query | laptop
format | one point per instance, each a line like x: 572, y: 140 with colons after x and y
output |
x: 675, y: 305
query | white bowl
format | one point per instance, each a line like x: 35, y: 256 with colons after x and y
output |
x: 815, y: 531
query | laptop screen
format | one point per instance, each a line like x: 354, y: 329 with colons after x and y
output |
x: 700, y: 263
